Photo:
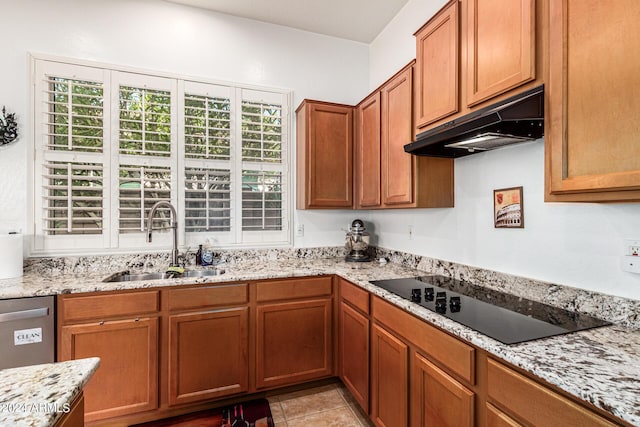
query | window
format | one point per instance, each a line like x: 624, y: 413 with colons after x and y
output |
x: 109, y: 144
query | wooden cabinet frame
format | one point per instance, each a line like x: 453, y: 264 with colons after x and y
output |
x: 611, y: 173
x: 368, y: 151
x: 398, y: 343
x: 481, y: 83
x: 324, y: 159
x: 130, y: 348
x: 389, y: 379
x: 190, y: 356
x: 282, y: 334
x: 437, y: 67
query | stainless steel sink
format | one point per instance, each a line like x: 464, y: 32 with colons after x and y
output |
x: 125, y: 276
x: 203, y: 273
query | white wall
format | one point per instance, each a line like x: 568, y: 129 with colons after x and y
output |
x: 157, y: 35
x: 572, y: 244
x: 395, y: 46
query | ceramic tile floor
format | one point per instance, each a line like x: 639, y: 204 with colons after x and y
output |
x: 324, y: 406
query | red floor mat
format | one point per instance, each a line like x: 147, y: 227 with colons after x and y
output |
x: 254, y: 413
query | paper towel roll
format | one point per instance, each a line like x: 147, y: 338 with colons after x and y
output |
x: 10, y: 255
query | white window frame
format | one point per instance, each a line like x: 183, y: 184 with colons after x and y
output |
x: 111, y: 240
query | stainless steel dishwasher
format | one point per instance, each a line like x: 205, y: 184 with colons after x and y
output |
x: 27, y: 331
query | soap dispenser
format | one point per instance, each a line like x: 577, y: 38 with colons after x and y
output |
x: 207, y: 254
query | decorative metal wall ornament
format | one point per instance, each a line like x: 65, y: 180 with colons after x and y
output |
x: 8, y: 127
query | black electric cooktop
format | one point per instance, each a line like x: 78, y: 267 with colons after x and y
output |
x: 504, y: 317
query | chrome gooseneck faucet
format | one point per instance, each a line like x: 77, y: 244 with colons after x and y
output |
x: 174, y: 226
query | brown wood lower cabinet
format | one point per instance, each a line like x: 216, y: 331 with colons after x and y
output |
x: 208, y: 342
x: 75, y: 416
x: 437, y: 399
x: 354, y: 353
x: 389, y: 379
x: 497, y: 418
x: 169, y: 351
x: 127, y: 379
x: 208, y: 354
x: 294, y: 342
x: 534, y: 403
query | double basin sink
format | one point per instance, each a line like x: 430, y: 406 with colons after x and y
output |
x: 125, y: 276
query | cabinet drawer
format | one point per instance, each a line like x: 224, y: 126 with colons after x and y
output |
x: 98, y: 306
x: 458, y: 357
x: 534, y: 403
x: 208, y: 296
x: 304, y: 287
x: 354, y: 295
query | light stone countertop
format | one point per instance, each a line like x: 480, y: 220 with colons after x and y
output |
x: 39, y: 395
x: 600, y: 366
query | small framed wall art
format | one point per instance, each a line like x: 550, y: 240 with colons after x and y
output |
x: 508, y: 208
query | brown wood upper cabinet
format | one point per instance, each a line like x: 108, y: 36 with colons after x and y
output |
x: 387, y: 176
x: 437, y: 67
x: 501, y: 46
x: 368, y: 150
x: 472, y: 52
x: 593, y: 108
x: 324, y: 135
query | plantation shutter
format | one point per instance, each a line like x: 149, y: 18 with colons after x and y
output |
x: 73, y: 198
x: 139, y: 189
x: 70, y: 150
x: 109, y: 144
x: 147, y: 147
x: 209, y: 182
x: 263, y: 171
x: 207, y: 200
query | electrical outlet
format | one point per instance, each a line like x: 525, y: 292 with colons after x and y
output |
x: 300, y: 230
x: 411, y: 232
x: 632, y: 247
x: 631, y: 258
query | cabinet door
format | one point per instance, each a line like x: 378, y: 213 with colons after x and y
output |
x: 126, y: 381
x: 389, y: 379
x: 398, y: 167
x: 591, y: 129
x: 534, y: 403
x: 500, y: 46
x: 354, y: 353
x: 208, y: 354
x: 437, y: 399
x: 324, y: 155
x: 436, y: 78
x: 294, y: 342
x: 497, y: 418
x: 368, y: 153
x: 75, y: 416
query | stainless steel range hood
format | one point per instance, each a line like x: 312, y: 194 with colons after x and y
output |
x: 513, y: 120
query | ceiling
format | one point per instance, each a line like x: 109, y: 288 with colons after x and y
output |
x: 358, y: 20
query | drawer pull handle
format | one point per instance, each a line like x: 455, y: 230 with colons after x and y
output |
x: 24, y: 314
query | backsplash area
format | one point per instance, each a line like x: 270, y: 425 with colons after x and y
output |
x: 618, y: 310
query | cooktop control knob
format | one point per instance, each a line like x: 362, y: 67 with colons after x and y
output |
x: 428, y: 294
x: 416, y: 295
x: 441, y: 302
x: 454, y: 304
